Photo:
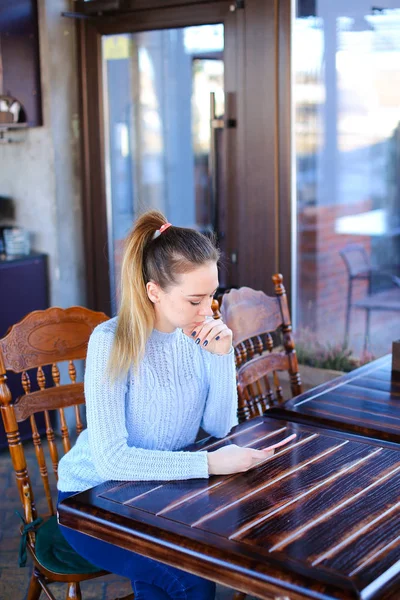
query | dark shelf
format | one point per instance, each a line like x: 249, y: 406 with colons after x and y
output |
x: 23, y: 288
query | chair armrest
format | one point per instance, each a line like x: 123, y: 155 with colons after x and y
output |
x: 393, y: 278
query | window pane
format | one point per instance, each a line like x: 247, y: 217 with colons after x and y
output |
x: 157, y: 126
x: 347, y: 140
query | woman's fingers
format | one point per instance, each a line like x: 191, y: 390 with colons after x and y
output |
x: 208, y: 330
x: 219, y: 342
x: 236, y: 459
x: 213, y: 336
x: 259, y: 454
x: 256, y: 457
x: 262, y: 456
x: 217, y: 331
x: 198, y: 333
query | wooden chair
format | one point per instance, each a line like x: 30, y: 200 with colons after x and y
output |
x: 259, y: 324
x: 46, y: 337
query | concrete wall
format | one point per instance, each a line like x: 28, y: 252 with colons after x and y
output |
x: 42, y: 172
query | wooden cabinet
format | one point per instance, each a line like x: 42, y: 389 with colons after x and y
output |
x: 19, y: 57
x: 23, y: 288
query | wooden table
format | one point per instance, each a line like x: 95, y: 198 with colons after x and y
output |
x: 365, y: 401
x: 319, y: 519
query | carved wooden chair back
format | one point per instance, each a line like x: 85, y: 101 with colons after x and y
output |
x: 44, y: 337
x: 263, y: 343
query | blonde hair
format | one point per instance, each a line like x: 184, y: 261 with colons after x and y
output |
x: 148, y: 258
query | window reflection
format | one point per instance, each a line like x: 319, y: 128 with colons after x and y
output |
x: 347, y: 138
x: 157, y: 124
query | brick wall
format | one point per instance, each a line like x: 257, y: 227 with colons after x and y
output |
x: 322, y: 273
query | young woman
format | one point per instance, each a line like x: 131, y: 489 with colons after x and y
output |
x: 154, y: 374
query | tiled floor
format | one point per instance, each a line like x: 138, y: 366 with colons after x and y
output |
x: 14, y: 581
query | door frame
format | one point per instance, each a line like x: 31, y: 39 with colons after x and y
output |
x: 95, y: 208
x: 258, y: 164
x: 264, y: 161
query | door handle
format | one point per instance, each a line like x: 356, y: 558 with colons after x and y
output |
x: 215, y: 124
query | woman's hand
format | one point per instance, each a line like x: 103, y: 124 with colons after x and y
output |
x: 235, y: 459
x: 213, y: 336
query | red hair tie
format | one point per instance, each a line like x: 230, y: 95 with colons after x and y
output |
x: 164, y: 227
x: 161, y: 230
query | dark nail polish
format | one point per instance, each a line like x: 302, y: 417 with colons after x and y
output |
x: 198, y: 341
x: 205, y: 343
x: 217, y: 338
x: 193, y: 334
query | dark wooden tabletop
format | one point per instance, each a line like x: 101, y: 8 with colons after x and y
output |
x: 365, y: 401
x: 319, y: 519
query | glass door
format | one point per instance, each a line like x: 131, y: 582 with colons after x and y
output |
x: 161, y: 140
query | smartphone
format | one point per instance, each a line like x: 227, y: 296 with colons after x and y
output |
x: 283, y: 442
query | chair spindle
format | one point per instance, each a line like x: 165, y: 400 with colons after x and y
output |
x: 41, y: 379
x: 37, y: 443
x: 259, y: 344
x: 55, y: 373
x: 72, y: 371
x: 51, y: 440
x: 64, y: 431
x: 79, y: 424
x: 269, y: 342
x: 26, y: 382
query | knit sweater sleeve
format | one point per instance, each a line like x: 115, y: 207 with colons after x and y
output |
x: 107, y: 432
x: 220, y: 413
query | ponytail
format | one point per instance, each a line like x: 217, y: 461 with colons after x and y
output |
x: 149, y: 258
x: 136, y: 312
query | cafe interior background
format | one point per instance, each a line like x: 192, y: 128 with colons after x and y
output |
x: 274, y: 124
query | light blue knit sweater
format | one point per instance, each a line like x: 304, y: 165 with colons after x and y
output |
x: 137, y: 427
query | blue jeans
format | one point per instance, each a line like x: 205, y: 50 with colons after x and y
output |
x: 151, y: 580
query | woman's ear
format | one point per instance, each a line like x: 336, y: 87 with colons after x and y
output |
x: 153, y: 292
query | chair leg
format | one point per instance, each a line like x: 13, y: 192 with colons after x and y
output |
x: 348, y: 309
x: 35, y: 589
x: 74, y: 591
x: 366, y: 339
